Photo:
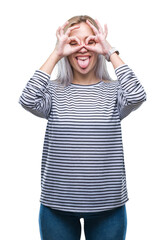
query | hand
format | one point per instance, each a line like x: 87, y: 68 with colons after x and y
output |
x: 63, y: 47
x: 101, y: 45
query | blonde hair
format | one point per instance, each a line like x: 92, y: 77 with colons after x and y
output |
x: 78, y: 19
x: 65, y: 72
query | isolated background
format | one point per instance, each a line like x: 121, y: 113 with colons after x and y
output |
x: 136, y: 29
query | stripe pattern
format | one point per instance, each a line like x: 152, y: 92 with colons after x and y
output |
x: 83, y: 167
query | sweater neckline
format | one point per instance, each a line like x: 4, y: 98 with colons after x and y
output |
x: 89, y: 85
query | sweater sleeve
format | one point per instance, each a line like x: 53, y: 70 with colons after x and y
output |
x: 36, y: 97
x: 131, y: 93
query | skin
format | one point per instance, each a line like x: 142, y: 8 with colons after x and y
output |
x: 85, y: 75
x: 87, y: 40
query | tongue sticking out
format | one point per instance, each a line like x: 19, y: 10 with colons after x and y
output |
x: 83, y: 63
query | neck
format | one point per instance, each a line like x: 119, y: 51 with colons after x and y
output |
x: 85, y: 79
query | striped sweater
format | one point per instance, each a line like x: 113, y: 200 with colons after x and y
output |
x: 83, y: 167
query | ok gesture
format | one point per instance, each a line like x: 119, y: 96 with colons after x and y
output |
x: 101, y: 45
x: 63, y: 46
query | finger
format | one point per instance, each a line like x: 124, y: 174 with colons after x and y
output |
x: 93, y: 37
x: 71, y: 29
x: 63, y: 26
x: 90, y: 48
x: 92, y: 26
x: 105, y: 30
x: 74, y: 39
x: 76, y: 49
x: 58, y: 32
x: 99, y: 25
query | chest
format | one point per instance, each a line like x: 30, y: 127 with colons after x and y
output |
x: 87, y: 104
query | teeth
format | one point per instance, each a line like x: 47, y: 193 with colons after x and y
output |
x: 82, y: 58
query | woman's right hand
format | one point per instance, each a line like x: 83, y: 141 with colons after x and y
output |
x: 63, y: 47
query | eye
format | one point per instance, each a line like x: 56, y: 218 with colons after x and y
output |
x: 91, y: 42
x: 73, y: 43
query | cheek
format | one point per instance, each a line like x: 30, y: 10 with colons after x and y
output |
x: 70, y: 59
x: 95, y: 57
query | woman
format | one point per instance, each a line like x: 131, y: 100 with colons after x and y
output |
x: 83, y: 170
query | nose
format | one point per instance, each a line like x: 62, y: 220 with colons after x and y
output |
x: 83, y: 49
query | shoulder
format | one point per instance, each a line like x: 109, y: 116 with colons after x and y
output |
x: 106, y: 81
x: 110, y: 82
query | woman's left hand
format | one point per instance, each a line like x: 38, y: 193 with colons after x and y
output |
x: 100, y: 45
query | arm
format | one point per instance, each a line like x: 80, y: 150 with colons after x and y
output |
x: 36, y: 96
x: 62, y: 48
x: 102, y: 46
x: 50, y: 63
x: 131, y: 93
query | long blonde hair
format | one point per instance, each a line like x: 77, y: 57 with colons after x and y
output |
x: 65, y: 72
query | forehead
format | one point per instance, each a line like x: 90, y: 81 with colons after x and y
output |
x: 83, y: 30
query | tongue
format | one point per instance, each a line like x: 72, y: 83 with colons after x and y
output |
x: 83, y: 64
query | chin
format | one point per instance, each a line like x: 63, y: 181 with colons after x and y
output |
x: 84, y: 71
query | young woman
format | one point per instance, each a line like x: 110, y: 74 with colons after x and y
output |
x: 83, y: 170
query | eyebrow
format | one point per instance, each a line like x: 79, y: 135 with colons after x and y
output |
x: 85, y: 37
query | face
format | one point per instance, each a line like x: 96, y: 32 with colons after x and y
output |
x: 82, y: 61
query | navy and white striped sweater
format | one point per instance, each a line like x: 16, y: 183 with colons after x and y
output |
x: 83, y: 166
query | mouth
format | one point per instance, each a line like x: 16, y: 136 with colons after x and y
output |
x: 83, y: 61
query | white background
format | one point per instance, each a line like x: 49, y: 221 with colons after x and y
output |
x: 28, y: 30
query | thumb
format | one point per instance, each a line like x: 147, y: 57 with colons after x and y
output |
x: 76, y: 49
x: 90, y: 48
